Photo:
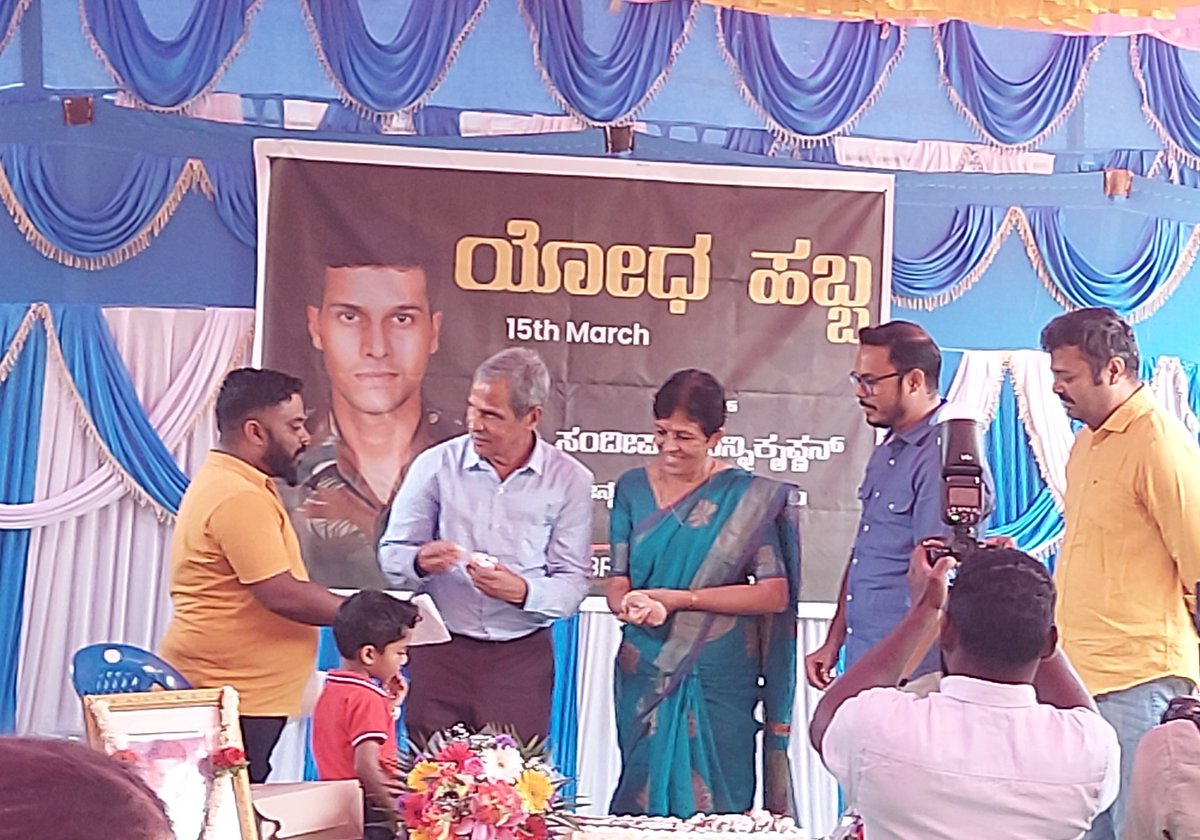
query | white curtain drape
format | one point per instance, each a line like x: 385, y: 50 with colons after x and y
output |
x: 977, y: 384
x: 97, y: 573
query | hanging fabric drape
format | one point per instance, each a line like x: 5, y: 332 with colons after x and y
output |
x: 21, y: 377
x: 235, y: 194
x: 1148, y: 278
x: 167, y: 74
x: 1028, y: 439
x: 99, y: 573
x: 93, y: 238
x: 607, y: 88
x: 951, y: 267
x: 805, y: 110
x: 564, y: 708
x: 375, y: 77
x: 222, y: 336
x: 1164, y: 256
x: 1176, y: 384
x: 1169, y: 100
x: 111, y: 406
x: 12, y: 12
x: 1025, y: 507
x: 1018, y: 113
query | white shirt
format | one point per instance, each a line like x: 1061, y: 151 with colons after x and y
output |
x: 978, y: 759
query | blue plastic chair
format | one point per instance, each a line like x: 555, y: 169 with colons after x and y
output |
x: 113, y: 668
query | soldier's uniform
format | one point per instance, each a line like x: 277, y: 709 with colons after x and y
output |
x: 339, y: 539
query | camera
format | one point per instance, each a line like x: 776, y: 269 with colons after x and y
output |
x: 962, y: 488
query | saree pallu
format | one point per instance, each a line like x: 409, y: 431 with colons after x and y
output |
x: 686, y: 692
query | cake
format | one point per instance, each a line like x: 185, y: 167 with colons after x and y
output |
x: 707, y: 826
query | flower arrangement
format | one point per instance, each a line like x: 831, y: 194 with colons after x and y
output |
x: 483, y: 786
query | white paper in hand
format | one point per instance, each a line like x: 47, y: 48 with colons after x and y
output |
x: 430, y: 630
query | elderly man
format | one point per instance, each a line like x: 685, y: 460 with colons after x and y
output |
x: 496, y: 526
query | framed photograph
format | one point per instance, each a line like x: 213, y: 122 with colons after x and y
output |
x: 187, y: 746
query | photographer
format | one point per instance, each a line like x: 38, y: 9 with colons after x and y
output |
x: 1011, y: 746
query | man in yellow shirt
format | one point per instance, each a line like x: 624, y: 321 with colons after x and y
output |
x: 245, y: 611
x: 1130, y: 559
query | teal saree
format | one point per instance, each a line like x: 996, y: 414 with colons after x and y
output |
x: 686, y: 692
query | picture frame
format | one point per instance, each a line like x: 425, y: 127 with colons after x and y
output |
x: 187, y: 747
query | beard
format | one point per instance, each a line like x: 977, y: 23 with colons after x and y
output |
x: 280, y: 464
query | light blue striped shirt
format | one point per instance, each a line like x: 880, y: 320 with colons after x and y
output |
x: 537, y: 522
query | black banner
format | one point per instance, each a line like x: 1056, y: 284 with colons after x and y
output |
x: 618, y: 273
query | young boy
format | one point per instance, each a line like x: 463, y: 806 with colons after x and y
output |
x: 354, y: 722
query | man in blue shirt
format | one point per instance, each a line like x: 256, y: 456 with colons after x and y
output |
x: 896, y: 377
x: 496, y: 526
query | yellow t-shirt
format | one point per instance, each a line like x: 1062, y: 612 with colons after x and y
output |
x: 1131, y: 553
x: 232, y: 531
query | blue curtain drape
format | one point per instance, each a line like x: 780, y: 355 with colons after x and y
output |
x: 1126, y: 289
x: 823, y: 103
x: 1025, y: 508
x: 20, y: 417
x: 236, y: 197
x: 606, y: 87
x: 88, y: 230
x: 382, y: 77
x: 934, y: 274
x: 1015, y: 112
x: 564, y: 709
x: 11, y: 13
x: 167, y: 73
x: 1168, y: 94
x: 103, y: 382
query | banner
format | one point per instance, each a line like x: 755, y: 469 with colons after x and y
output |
x: 387, y: 274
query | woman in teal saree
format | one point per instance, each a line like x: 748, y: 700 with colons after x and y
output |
x: 705, y: 577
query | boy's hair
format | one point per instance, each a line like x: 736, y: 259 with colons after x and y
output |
x: 371, y: 617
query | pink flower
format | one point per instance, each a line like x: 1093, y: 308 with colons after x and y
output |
x: 457, y: 753
x: 413, y: 805
x: 497, y: 804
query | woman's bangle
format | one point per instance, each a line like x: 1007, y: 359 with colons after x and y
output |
x: 692, y: 601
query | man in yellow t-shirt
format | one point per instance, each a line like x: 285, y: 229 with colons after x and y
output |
x: 245, y: 611
x: 1130, y: 559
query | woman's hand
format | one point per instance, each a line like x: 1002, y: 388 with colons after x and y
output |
x: 675, y: 600
x: 640, y: 608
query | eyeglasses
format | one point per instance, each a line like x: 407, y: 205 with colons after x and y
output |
x: 869, y: 383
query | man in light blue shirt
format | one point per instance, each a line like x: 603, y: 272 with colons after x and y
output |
x: 496, y: 526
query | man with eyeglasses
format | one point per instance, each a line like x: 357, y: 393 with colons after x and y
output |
x: 896, y: 380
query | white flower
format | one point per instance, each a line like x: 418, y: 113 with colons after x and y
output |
x: 503, y: 764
